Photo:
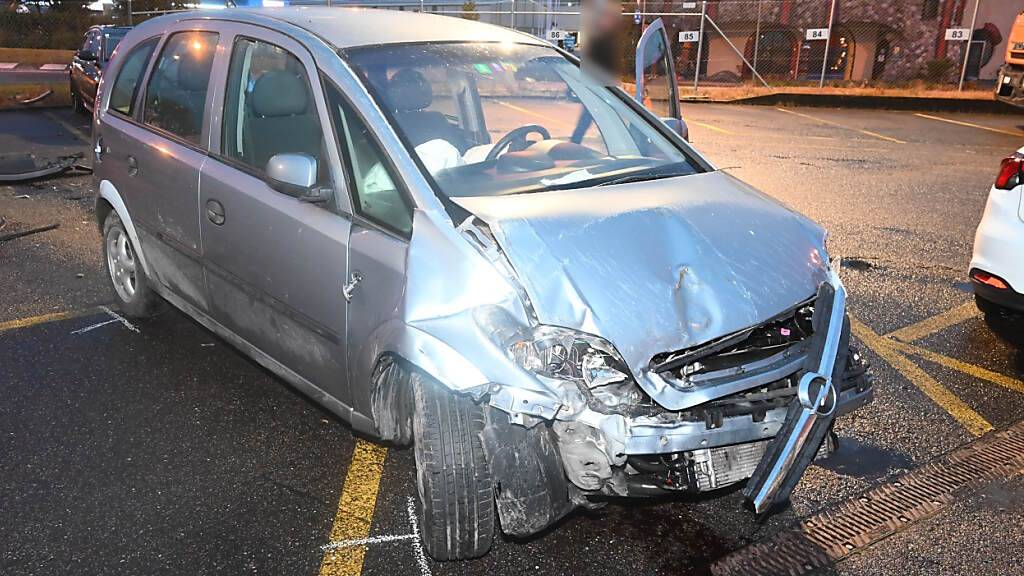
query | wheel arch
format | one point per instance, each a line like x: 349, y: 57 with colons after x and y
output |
x: 110, y: 200
x: 389, y: 356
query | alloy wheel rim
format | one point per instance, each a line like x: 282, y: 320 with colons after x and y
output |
x: 122, y: 264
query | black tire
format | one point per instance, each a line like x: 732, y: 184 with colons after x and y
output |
x: 142, y: 301
x: 452, y: 476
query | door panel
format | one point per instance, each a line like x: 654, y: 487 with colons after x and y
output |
x: 379, y: 259
x: 275, y: 272
x: 275, y: 266
x: 160, y: 189
x: 163, y: 159
x: 656, y: 85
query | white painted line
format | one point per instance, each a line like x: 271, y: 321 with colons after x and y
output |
x: 120, y: 319
x: 417, y: 544
x: 54, y: 67
x: 93, y: 327
x: 369, y: 540
x: 8, y: 65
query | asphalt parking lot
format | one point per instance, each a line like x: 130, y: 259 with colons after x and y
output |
x: 154, y: 447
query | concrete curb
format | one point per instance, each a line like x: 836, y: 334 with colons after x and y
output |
x: 871, y: 102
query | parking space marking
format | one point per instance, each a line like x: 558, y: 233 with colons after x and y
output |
x: 67, y: 126
x: 354, y: 516
x: 965, y: 367
x: 713, y: 128
x: 889, y: 351
x: 936, y: 323
x: 843, y: 126
x: 45, y: 318
x: 1018, y: 134
x: 117, y: 317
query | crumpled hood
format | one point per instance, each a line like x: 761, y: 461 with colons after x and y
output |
x: 657, y: 266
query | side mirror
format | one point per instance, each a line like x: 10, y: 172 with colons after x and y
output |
x: 295, y: 175
x: 678, y: 126
x: 87, y: 55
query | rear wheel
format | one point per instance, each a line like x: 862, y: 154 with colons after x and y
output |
x: 131, y: 287
x: 452, y: 476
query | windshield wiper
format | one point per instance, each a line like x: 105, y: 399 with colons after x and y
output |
x: 644, y: 177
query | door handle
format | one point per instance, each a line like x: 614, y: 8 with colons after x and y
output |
x: 215, y: 212
x: 133, y: 165
x: 350, y: 287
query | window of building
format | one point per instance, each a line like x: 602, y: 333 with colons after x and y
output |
x: 930, y: 9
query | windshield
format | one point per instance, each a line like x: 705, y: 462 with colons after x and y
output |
x: 488, y: 119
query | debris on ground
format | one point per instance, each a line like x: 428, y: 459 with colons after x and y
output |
x: 31, y: 231
x: 25, y: 167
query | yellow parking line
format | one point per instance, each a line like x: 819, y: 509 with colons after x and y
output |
x: 967, y: 368
x: 67, y: 126
x: 710, y: 127
x: 354, y: 517
x: 936, y: 323
x: 843, y: 126
x: 888, y: 351
x: 1018, y: 133
x: 44, y: 318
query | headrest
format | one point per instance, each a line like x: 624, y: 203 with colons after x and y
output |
x: 194, y: 71
x: 409, y: 91
x: 279, y: 93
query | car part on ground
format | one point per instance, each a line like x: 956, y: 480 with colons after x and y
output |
x: 26, y: 167
x: 23, y: 233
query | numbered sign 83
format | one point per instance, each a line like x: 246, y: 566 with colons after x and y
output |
x: 955, y: 34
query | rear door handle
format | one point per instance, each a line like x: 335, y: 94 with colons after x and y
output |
x: 350, y: 287
x: 133, y: 165
x: 215, y: 212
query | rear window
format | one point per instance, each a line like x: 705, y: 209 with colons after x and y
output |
x: 126, y: 86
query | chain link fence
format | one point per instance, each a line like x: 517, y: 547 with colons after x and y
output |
x: 716, y: 43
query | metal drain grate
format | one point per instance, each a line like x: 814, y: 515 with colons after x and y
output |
x: 831, y: 535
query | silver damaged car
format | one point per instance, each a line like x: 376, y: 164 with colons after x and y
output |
x: 448, y: 235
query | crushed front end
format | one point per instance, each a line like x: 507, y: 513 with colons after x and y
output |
x: 753, y: 405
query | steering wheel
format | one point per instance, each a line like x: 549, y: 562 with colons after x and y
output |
x: 516, y: 140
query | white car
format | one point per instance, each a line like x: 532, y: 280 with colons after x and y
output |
x: 997, y: 267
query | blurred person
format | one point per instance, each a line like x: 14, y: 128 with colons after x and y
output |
x: 601, y: 49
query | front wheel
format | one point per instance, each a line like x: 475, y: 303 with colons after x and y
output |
x: 134, y: 295
x: 452, y: 476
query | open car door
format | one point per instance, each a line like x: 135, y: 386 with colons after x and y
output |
x: 657, y: 87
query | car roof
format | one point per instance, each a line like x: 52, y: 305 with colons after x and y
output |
x: 352, y: 27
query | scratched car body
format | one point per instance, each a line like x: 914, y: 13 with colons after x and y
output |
x: 448, y: 235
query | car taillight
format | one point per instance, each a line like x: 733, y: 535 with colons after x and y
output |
x: 1009, y: 172
x: 989, y: 279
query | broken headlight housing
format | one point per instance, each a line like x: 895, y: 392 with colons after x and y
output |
x: 591, y: 362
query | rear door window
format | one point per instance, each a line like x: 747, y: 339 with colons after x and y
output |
x: 126, y: 86
x: 176, y: 92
